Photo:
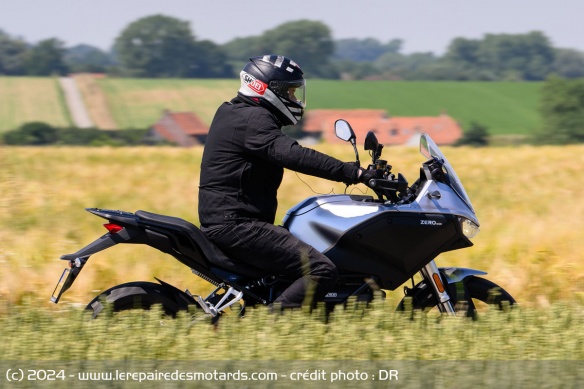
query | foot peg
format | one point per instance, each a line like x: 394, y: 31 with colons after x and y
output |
x: 214, y: 309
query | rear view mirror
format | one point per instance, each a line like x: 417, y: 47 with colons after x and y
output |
x: 371, y: 142
x: 344, y: 131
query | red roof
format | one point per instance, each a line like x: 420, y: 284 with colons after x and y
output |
x: 181, y: 128
x: 389, y: 130
x: 189, y: 122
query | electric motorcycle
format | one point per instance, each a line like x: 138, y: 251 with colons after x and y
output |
x: 377, y: 243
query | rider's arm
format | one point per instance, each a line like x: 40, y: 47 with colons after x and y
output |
x: 264, y: 139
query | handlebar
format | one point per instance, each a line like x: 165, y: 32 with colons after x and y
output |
x: 392, y: 188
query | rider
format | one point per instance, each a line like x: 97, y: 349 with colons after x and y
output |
x: 243, y: 163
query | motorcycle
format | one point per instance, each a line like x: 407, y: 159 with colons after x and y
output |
x: 377, y: 243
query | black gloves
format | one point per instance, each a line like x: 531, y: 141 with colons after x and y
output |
x: 363, y: 175
x: 368, y: 174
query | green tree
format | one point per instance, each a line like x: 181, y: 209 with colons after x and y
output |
x: 407, y: 67
x: 86, y: 58
x: 477, y: 135
x: 12, y: 55
x: 562, y: 111
x: 309, y: 43
x: 156, y: 46
x: 47, y: 58
x: 364, y: 50
x: 163, y: 46
x: 569, y: 63
x: 239, y: 50
x: 523, y: 56
x: 210, y: 61
x: 32, y: 133
x: 394, y: 65
x: 351, y: 70
x: 463, y: 51
x: 527, y: 57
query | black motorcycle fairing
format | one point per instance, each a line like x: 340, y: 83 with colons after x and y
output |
x: 396, y: 245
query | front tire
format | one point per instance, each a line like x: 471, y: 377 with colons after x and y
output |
x: 136, y: 295
x: 464, y: 296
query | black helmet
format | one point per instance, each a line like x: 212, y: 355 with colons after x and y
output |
x: 277, y: 83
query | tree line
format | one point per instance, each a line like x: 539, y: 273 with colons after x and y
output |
x: 163, y: 46
x: 44, y: 134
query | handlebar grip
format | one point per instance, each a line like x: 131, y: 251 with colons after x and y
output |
x: 399, y: 185
x: 383, y: 184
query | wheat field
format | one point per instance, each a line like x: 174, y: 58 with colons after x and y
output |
x: 527, y: 199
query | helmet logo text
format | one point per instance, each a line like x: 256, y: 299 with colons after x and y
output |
x: 254, y: 84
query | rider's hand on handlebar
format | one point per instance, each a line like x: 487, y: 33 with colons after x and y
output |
x: 365, y: 175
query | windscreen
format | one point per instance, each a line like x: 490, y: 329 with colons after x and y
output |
x: 429, y: 149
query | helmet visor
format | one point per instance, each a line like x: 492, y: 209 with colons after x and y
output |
x: 294, y: 91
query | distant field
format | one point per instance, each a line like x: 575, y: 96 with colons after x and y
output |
x: 140, y: 102
x: 505, y: 108
x: 25, y: 99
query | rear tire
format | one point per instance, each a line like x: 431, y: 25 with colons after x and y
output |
x: 473, y: 288
x: 135, y: 295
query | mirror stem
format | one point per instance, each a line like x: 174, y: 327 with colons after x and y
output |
x: 356, y: 151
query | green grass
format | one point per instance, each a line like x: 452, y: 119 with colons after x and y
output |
x: 355, y: 333
x: 139, y: 103
x: 504, y: 107
x: 27, y: 99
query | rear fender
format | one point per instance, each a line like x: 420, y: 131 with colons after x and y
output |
x: 182, y: 299
x: 130, y: 233
x: 172, y: 299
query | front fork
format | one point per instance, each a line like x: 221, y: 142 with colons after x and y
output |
x: 431, y: 274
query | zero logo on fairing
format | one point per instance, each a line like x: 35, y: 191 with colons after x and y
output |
x: 254, y: 84
x: 430, y: 223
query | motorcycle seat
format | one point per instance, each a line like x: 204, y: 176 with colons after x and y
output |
x: 208, y: 249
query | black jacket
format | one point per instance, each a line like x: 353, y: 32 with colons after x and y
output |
x: 243, y: 163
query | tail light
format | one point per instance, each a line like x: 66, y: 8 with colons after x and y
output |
x: 113, y: 228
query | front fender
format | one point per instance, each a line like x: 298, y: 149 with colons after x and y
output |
x: 457, y: 274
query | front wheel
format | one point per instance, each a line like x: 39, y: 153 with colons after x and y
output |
x: 138, y: 295
x: 466, y: 295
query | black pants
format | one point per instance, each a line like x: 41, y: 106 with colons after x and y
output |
x: 277, y: 251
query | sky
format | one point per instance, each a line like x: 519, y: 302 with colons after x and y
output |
x: 423, y: 25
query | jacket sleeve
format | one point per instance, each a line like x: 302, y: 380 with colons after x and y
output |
x: 264, y: 139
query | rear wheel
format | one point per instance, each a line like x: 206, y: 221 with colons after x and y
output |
x: 136, y: 296
x: 471, y: 295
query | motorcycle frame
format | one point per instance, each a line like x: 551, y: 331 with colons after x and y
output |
x: 133, y: 233
x: 147, y: 230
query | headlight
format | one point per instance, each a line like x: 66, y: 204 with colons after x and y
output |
x: 469, y: 229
